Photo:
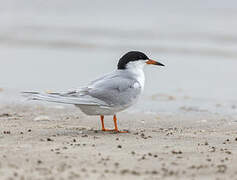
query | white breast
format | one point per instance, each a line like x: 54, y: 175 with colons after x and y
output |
x: 141, y: 79
x: 136, y: 68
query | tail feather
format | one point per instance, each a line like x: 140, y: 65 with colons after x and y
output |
x: 59, y: 98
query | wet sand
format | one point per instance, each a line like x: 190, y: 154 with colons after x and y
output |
x: 38, y: 141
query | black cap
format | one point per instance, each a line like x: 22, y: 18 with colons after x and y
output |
x: 131, y: 56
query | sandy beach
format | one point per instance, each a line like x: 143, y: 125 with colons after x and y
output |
x: 38, y: 141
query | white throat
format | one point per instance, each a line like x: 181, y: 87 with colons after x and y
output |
x: 136, y: 68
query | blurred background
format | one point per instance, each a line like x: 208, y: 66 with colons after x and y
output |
x: 60, y: 45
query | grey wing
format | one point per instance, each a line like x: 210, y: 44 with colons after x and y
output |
x: 115, y: 90
x: 110, y: 90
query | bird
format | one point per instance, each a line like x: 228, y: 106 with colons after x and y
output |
x: 109, y: 94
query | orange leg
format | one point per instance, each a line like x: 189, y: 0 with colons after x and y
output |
x: 115, y: 123
x: 116, y: 126
x: 103, y: 125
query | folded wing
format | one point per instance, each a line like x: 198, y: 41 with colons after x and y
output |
x: 110, y: 90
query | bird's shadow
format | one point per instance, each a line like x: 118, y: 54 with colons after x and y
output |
x: 88, y: 132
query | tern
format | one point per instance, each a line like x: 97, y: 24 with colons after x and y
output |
x: 109, y: 94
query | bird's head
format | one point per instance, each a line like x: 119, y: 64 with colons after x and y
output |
x: 135, y: 59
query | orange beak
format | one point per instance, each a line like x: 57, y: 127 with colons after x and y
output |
x: 150, y: 61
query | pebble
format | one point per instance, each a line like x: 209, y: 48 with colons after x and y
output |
x: 213, y: 149
x: 116, y: 164
x: 176, y: 152
x: 5, y: 115
x: 41, y: 118
x: 221, y: 168
x: 6, y: 132
x: 39, y: 161
x: 228, y: 152
x: 154, y: 172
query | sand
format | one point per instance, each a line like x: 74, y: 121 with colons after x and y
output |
x: 38, y: 141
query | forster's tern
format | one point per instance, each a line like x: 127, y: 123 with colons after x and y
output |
x: 110, y: 93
